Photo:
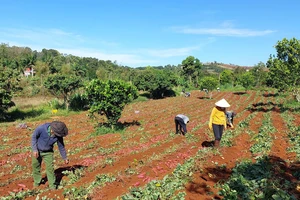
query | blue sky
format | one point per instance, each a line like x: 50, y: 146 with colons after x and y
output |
x: 152, y: 32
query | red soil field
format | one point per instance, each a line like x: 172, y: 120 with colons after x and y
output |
x: 145, y: 147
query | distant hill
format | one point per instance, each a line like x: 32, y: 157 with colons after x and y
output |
x: 227, y: 66
x: 232, y: 67
x: 213, y: 67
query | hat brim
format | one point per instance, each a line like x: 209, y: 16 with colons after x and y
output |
x: 222, y: 103
x: 59, y: 128
x: 60, y: 134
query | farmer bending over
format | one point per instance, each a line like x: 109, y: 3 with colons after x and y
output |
x: 180, y: 123
x: 187, y: 94
x: 229, y: 117
x: 42, y: 141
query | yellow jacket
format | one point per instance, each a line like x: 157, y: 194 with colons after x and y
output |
x: 217, y: 117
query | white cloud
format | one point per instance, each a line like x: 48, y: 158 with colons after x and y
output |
x: 70, y: 43
x: 125, y: 59
x: 225, y: 30
x: 172, y: 52
x: 180, y: 51
x: 43, y: 37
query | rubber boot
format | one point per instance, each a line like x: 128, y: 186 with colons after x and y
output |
x: 217, y: 143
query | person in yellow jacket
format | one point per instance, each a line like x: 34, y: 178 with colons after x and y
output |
x: 217, y: 120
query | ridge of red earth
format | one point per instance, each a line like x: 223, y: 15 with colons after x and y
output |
x: 155, y: 123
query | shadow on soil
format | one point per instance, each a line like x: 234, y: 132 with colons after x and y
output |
x: 59, y: 173
x: 203, y: 98
x: 239, y: 93
x: 202, y: 187
x: 119, y: 125
x: 270, y: 106
x: 207, y: 144
x: 270, y: 169
x: 274, y: 107
x: 270, y: 94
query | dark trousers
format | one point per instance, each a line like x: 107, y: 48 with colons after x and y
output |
x: 218, y: 131
x: 180, y: 125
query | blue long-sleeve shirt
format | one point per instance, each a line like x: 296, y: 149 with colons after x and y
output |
x: 41, y: 140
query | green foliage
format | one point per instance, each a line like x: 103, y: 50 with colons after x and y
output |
x: 79, y: 102
x: 36, y: 113
x: 9, y: 83
x: 167, y: 188
x: 247, y: 80
x: 157, y: 82
x: 63, y: 85
x: 191, y: 67
x: 102, y: 130
x: 75, y: 175
x: 263, y: 139
x: 259, y: 71
x: 79, y: 70
x: 237, y: 73
x: 55, y: 104
x: 285, y: 67
x: 255, y: 181
x: 20, y: 195
x: 226, y: 76
x: 141, y: 98
x: 17, y: 114
x: 209, y: 83
x: 110, y: 98
x: 76, y: 193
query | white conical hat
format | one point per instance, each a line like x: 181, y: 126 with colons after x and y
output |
x: 222, y: 103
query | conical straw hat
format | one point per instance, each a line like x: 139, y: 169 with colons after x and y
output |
x: 222, y: 103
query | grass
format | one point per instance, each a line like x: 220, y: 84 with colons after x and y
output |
x: 33, y: 109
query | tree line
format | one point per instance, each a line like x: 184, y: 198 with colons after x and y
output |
x: 85, y: 81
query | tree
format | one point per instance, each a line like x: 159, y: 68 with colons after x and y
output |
x: 52, y: 59
x: 9, y: 83
x: 64, y: 85
x: 110, y: 98
x: 191, y: 68
x: 79, y: 70
x: 156, y: 81
x: 259, y: 71
x: 209, y: 83
x: 29, y: 60
x: 226, y: 76
x: 247, y: 80
x: 237, y: 73
x: 285, y: 66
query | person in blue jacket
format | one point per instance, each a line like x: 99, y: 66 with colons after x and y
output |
x: 42, y: 141
x: 180, y: 123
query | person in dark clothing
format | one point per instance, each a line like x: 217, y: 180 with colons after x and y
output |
x: 187, y: 94
x: 229, y: 118
x: 180, y: 123
x: 42, y: 141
